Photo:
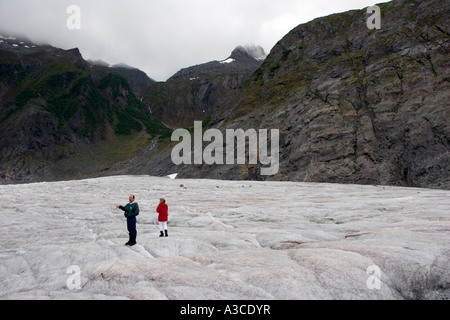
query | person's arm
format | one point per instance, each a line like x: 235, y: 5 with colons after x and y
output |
x: 121, y: 208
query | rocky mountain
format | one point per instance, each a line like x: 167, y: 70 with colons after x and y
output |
x: 138, y: 79
x: 354, y: 105
x: 197, y: 92
x: 61, y: 117
x: 242, y: 62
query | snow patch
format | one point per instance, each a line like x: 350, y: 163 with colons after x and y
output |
x: 229, y: 60
x: 173, y: 176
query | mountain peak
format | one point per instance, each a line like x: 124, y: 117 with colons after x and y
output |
x: 243, y: 61
x: 253, y: 51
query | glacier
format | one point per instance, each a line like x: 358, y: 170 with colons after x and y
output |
x: 227, y: 240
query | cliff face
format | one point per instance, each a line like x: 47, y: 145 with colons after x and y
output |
x: 355, y: 105
x: 137, y: 79
x: 200, y: 91
x: 61, y: 117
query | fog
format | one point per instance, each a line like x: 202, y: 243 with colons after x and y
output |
x: 162, y: 36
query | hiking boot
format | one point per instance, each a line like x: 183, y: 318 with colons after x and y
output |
x: 132, y: 242
x: 161, y: 234
x: 166, y: 233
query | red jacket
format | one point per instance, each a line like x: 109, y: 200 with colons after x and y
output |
x: 163, y: 211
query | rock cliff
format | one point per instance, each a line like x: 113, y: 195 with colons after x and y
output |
x: 62, y: 118
x: 200, y: 91
x: 355, y: 105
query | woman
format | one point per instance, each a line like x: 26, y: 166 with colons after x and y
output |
x: 163, y: 217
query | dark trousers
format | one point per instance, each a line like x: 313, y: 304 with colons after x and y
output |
x: 131, y: 226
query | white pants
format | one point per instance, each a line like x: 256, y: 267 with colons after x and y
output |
x: 162, y: 226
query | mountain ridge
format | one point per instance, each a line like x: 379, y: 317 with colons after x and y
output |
x: 353, y: 105
x: 198, y: 92
x: 58, y: 112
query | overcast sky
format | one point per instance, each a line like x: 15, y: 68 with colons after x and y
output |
x: 162, y: 36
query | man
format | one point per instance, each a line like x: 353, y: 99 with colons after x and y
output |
x: 131, y: 212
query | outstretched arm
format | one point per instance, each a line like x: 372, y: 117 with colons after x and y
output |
x: 121, y: 208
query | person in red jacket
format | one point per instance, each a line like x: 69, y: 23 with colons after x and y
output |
x: 163, y: 217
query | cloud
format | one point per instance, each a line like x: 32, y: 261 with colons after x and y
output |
x: 162, y: 36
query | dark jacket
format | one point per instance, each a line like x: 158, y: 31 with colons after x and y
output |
x: 131, y: 210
